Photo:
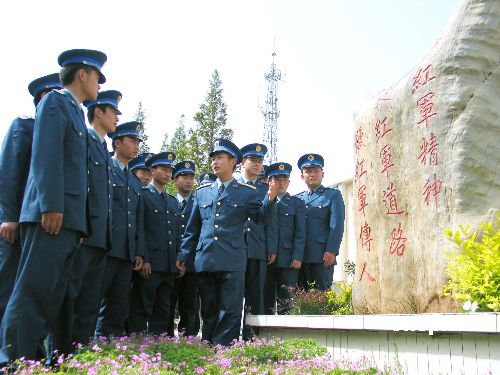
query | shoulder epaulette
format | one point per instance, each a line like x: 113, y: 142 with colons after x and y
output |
x: 297, y: 195
x: 204, y: 185
x: 247, y: 185
x: 23, y: 117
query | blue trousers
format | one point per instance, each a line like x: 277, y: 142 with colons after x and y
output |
x: 185, y: 296
x: 77, y: 319
x: 41, y: 283
x: 221, y: 305
x: 150, y: 303
x: 277, y: 292
x: 317, y: 274
x: 255, y: 279
x: 10, y: 254
x: 115, y: 293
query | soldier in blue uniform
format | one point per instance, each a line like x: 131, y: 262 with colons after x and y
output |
x: 258, y: 252
x: 283, y: 274
x: 216, y: 232
x: 127, y: 235
x: 15, y: 161
x: 262, y: 175
x: 77, y: 319
x: 138, y: 168
x: 54, y: 210
x: 185, y: 293
x: 151, y: 292
x: 325, y: 224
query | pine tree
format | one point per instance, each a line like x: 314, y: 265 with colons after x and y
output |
x: 211, y: 121
x: 140, y: 116
x: 179, y: 142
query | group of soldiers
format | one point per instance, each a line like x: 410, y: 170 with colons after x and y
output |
x: 91, y: 245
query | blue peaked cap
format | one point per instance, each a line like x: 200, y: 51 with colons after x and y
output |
x: 48, y: 82
x: 279, y: 169
x: 109, y: 97
x: 225, y: 145
x: 165, y: 159
x: 184, y: 167
x: 311, y: 160
x: 90, y: 57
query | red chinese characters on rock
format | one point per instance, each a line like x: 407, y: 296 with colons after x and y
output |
x: 381, y: 128
x: 390, y: 200
x: 362, y: 199
x: 386, y: 159
x: 360, y: 169
x: 365, y: 272
x: 429, y: 150
x: 432, y: 189
x: 358, y: 139
x: 398, y: 242
x: 366, y: 237
x: 425, y: 107
x: 422, y: 77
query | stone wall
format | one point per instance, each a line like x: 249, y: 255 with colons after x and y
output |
x: 427, y: 155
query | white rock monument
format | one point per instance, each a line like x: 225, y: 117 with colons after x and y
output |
x: 427, y: 155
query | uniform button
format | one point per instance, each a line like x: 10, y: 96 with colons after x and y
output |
x: 182, y: 216
x: 96, y: 163
x: 128, y: 200
x: 307, y: 206
x: 217, y: 225
x: 170, y: 242
x: 156, y: 210
x: 109, y: 195
x: 168, y: 211
x: 216, y: 238
x: 128, y: 212
x: 319, y: 206
x: 169, y: 232
x: 168, y: 221
x: 286, y: 214
x: 109, y: 210
x: 217, y: 215
x: 218, y: 203
x: 248, y: 219
x: 128, y: 188
x: 130, y: 225
x: 248, y: 229
x: 182, y: 225
x: 80, y: 134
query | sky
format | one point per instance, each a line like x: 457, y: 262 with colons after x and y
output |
x: 333, y: 54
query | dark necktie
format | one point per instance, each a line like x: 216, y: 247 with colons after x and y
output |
x: 183, y: 204
x: 221, y: 189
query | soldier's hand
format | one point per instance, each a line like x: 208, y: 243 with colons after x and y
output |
x: 9, y: 231
x: 296, y: 264
x: 271, y: 193
x: 181, y: 267
x: 138, y: 263
x: 52, y: 221
x: 146, y: 270
x: 328, y: 259
x: 270, y: 258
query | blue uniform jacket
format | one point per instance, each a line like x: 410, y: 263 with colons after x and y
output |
x: 185, y: 214
x: 15, y: 159
x: 324, y: 222
x: 291, y: 230
x: 57, y: 180
x: 216, y: 228
x: 258, y: 245
x: 128, y: 216
x: 100, y: 193
x: 161, y: 230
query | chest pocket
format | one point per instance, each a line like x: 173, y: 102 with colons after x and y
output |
x: 97, y: 169
x: 320, y: 210
x: 118, y: 190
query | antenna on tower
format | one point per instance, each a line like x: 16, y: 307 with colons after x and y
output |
x: 271, y: 112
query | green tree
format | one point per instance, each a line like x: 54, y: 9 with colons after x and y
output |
x: 140, y: 116
x: 210, y: 121
x: 179, y: 142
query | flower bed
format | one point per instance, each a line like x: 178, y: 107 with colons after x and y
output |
x: 163, y: 355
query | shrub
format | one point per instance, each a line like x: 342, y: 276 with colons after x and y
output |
x: 473, y: 267
x: 340, y: 303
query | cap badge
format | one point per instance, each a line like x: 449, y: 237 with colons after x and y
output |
x: 205, y: 177
x: 169, y: 157
x: 187, y: 165
x: 216, y: 144
x: 258, y: 148
x: 281, y: 167
x: 310, y: 158
x: 138, y: 128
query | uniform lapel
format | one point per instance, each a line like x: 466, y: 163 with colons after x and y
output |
x: 229, y: 190
x: 119, y: 171
x: 317, y: 193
